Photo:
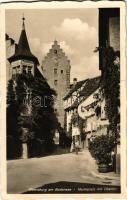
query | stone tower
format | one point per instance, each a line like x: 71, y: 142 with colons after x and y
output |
x: 23, y: 61
x: 56, y: 69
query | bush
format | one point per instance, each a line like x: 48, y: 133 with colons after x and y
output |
x: 101, y: 148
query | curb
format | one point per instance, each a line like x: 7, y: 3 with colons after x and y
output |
x: 105, y: 177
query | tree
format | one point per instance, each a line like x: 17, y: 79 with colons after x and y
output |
x: 35, y: 115
x: 13, y: 142
x: 43, y: 112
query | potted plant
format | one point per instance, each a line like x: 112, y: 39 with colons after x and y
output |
x: 101, y: 148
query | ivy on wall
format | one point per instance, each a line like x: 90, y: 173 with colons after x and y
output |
x: 110, y: 86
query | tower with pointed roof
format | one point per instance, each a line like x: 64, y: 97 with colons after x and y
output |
x: 23, y: 61
x: 56, y: 69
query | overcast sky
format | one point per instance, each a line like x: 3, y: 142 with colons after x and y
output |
x: 76, y: 30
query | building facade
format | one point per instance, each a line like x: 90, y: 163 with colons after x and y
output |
x: 56, y: 69
x: 80, y: 105
x: 92, y: 111
x: 71, y: 100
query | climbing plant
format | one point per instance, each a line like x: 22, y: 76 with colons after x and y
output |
x: 30, y: 114
x: 110, y: 86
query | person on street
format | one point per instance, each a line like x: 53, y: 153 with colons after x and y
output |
x: 76, y: 147
x: 75, y: 130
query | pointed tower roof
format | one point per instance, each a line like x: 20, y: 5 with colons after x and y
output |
x: 23, y: 50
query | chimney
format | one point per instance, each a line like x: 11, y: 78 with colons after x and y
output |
x: 74, y: 81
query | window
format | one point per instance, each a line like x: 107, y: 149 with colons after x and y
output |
x: 14, y: 72
x: 55, y: 71
x: 61, y: 71
x: 29, y: 70
x: 13, y: 76
x: 18, y: 69
x: 24, y: 69
x: 14, y: 68
x: 55, y: 82
x: 55, y: 51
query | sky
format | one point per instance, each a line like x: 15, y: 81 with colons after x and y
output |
x: 76, y: 30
